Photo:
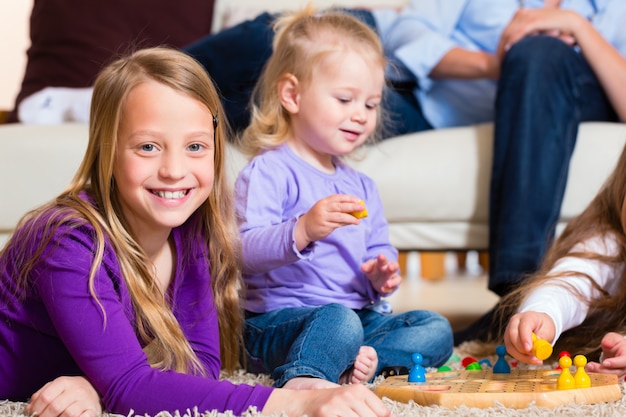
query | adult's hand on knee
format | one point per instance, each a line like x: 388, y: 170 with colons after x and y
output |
x: 561, y: 23
x: 65, y: 397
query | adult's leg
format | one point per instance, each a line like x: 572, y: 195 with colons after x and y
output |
x: 402, y: 113
x: 319, y: 342
x: 546, y: 89
x: 234, y: 58
x: 397, y: 337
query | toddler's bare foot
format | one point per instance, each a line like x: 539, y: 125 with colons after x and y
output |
x: 305, y: 382
x: 364, y: 367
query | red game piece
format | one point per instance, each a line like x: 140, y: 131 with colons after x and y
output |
x: 467, y: 360
x: 563, y: 353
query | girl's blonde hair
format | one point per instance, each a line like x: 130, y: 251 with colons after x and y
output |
x: 604, y: 216
x: 213, y: 223
x: 302, y: 39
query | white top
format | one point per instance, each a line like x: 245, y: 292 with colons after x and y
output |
x: 556, y: 299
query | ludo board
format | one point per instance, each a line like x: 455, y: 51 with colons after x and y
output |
x: 484, y: 389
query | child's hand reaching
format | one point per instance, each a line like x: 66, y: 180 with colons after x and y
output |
x: 382, y: 274
x: 518, y: 334
x: 325, y: 216
x: 614, y: 356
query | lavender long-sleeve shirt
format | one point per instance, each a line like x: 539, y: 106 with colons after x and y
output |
x: 58, y: 329
x: 272, y: 192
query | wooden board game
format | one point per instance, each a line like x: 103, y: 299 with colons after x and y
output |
x: 484, y: 389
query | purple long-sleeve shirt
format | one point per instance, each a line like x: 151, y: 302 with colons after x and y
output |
x: 272, y: 192
x: 58, y: 329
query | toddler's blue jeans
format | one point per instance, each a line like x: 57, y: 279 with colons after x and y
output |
x: 322, y: 342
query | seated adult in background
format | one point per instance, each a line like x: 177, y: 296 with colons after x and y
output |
x: 449, y: 63
x: 560, y: 67
x: 72, y: 40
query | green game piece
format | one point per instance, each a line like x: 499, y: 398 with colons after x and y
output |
x: 474, y: 366
x: 444, y: 368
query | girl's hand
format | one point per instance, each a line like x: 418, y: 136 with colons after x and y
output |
x: 614, y: 356
x: 382, y: 274
x: 66, y: 396
x: 353, y: 400
x: 518, y: 334
x: 325, y: 216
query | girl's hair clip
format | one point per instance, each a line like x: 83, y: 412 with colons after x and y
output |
x: 215, y: 120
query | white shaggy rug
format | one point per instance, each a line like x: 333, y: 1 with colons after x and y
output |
x: 616, y: 408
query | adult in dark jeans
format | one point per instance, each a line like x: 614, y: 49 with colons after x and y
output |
x: 549, y: 84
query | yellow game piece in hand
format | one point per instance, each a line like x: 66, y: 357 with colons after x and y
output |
x: 542, y: 349
x: 360, y: 214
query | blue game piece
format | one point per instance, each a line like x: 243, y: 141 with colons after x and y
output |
x: 417, y: 372
x: 501, y: 366
x: 485, y: 362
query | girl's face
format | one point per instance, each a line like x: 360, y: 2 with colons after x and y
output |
x: 336, y: 111
x: 164, y: 164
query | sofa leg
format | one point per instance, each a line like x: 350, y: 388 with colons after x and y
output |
x: 433, y: 265
x: 403, y: 256
x: 461, y: 259
x: 483, y: 260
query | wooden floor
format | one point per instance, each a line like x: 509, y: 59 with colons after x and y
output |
x: 461, y: 296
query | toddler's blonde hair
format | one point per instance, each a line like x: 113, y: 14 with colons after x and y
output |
x: 302, y: 39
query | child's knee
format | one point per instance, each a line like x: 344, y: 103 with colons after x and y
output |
x: 342, y: 323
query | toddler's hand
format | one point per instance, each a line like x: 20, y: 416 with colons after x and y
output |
x: 325, y: 216
x: 383, y: 275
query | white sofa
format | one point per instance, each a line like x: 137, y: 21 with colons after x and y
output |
x: 434, y: 185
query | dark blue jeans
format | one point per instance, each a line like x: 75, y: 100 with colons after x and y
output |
x: 545, y: 90
x: 235, y: 57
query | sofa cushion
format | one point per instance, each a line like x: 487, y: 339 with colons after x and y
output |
x: 434, y: 185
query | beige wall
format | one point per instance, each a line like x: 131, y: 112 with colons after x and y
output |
x: 14, y: 42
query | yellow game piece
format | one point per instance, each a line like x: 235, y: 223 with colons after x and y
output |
x: 360, y: 214
x: 565, y: 380
x: 581, y: 379
x: 542, y: 349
